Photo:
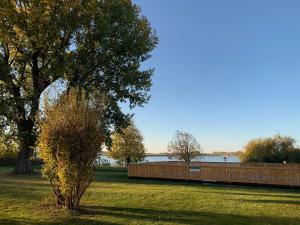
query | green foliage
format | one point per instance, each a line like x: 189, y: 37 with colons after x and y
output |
x: 97, y: 45
x: 109, y: 53
x: 70, y: 140
x: 184, y: 146
x: 8, y: 149
x: 128, y: 146
x: 294, y: 156
x: 34, y: 37
x: 271, y: 150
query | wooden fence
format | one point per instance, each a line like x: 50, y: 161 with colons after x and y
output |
x: 248, y: 173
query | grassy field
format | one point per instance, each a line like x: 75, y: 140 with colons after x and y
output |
x: 113, y: 199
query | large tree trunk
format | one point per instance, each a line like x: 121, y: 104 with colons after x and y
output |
x: 26, y: 134
x: 127, y: 161
x: 23, y: 164
x: 26, y: 140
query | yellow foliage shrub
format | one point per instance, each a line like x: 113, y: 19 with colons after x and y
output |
x: 69, y: 142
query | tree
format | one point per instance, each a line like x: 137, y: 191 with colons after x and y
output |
x: 184, y: 146
x: 276, y: 149
x: 127, y: 145
x: 294, y: 156
x: 97, y: 45
x: 70, y: 140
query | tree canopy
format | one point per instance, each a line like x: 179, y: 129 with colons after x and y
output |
x: 128, y: 146
x: 276, y: 149
x: 184, y: 146
x: 96, y: 45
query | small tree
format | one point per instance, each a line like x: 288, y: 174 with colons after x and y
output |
x: 184, y: 147
x: 128, y: 146
x: 70, y: 140
x: 271, y: 150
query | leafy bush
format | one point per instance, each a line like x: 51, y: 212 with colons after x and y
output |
x: 8, y: 149
x: 70, y: 140
x: 275, y: 149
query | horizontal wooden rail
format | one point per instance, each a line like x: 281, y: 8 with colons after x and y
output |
x: 249, y: 173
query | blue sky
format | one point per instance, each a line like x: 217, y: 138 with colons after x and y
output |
x: 225, y: 71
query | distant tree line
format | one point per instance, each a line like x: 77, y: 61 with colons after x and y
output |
x: 237, y: 153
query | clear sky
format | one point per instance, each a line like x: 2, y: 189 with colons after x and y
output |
x: 225, y: 71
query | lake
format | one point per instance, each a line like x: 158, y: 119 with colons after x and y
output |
x: 157, y: 158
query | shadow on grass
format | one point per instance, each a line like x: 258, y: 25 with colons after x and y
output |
x: 261, y: 191
x: 142, y: 215
x: 69, y: 221
x: 256, y: 191
x: 267, y: 201
x: 119, y: 175
x: 23, y: 189
x: 185, y: 217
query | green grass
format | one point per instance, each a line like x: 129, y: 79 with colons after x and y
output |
x: 114, y: 199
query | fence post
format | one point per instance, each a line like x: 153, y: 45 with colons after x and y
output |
x: 216, y: 172
x: 257, y: 176
x: 230, y: 177
x: 187, y: 172
x: 291, y: 179
x: 146, y: 171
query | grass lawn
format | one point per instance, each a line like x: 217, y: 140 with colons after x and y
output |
x: 113, y: 199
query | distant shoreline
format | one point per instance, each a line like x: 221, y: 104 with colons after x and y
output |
x: 237, y: 154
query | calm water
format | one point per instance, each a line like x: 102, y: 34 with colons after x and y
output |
x: 165, y: 158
